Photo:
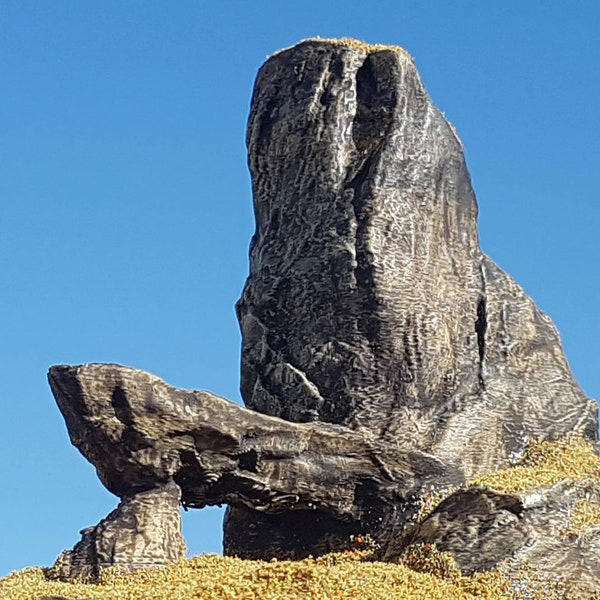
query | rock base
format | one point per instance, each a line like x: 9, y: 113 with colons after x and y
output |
x: 143, y: 531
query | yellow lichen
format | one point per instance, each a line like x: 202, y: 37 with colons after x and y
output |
x: 210, y: 577
x: 357, y: 45
x: 544, y: 463
x: 547, y: 463
x: 585, y: 514
x: 426, y: 558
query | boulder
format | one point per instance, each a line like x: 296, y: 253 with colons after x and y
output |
x: 528, y: 536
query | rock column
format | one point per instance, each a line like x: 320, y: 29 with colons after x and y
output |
x: 369, y: 302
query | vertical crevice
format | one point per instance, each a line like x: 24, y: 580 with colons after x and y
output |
x: 370, y: 127
x: 481, y: 329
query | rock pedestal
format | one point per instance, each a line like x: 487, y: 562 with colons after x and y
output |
x: 143, y: 531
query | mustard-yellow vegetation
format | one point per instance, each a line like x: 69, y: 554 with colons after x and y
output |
x: 211, y: 577
x: 584, y: 514
x: 544, y: 463
x: 422, y: 573
x: 547, y: 463
x: 358, y: 45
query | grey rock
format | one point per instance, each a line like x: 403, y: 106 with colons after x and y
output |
x: 477, y: 526
x: 141, y: 433
x: 528, y: 535
x: 143, y: 531
x: 369, y: 302
x: 384, y: 355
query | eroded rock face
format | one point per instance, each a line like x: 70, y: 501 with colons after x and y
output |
x: 383, y: 354
x: 527, y: 535
x: 147, y: 439
x: 143, y: 531
x: 369, y: 302
x: 141, y: 433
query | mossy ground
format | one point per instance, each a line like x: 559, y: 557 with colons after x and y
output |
x: 335, y: 576
x: 422, y: 574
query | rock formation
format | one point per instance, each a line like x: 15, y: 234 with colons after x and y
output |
x: 384, y: 355
x: 154, y: 445
x: 483, y: 530
x: 143, y: 531
x: 369, y: 302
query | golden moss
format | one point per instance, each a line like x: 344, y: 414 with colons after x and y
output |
x: 358, y: 44
x: 547, y: 463
x: 544, y: 463
x: 585, y: 514
x: 336, y: 576
x: 426, y: 558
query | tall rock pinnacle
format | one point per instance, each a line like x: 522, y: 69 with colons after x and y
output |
x: 369, y: 302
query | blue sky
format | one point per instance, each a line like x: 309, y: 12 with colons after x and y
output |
x: 125, y: 207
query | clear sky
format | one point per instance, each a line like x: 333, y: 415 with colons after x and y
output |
x: 125, y: 205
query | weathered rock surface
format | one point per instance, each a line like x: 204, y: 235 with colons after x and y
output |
x: 194, y: 446
x: 527, y: 535
x: 369, y: 302
x: 141, y: 433
x: 383, y: 355
x: 143, y: 531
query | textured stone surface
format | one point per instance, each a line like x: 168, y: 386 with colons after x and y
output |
x: 140, y: 432
x: 383, y: 354
x: 143, y: 531
x: 483, y: 530
x: 369, y: 302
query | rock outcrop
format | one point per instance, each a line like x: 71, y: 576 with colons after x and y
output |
x: 543, y: 538
x: 157, y: 446
x: 369, y: 302
x: 384, y: 355
x: 154, y: 445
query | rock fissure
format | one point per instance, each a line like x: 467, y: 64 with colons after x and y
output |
x: 481, y: 329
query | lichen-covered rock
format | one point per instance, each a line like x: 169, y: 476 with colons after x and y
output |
x: 537, y: 522
x: 479, y: 527
x: 369, y: 302
x: 529, y: 536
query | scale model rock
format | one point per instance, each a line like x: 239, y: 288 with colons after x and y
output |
x: 384, y: 355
